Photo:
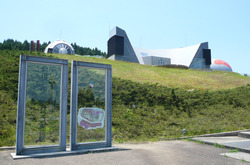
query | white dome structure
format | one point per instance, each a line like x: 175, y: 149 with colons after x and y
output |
x: 220, y: 65
x: 59, y: 47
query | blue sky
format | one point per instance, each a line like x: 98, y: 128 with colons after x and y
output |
x: 158, y: 24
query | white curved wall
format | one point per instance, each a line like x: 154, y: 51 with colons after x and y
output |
x: 53, y: 44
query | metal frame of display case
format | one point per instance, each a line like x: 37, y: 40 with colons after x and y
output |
x: 20, y: 148
x: 74, y: 102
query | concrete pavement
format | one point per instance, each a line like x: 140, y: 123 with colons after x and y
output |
x: 233, y: 142
x: 237, y: 140
x: 225, y: 148
x: 176, y: 152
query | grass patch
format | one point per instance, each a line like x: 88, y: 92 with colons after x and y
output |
x: 234, y: 150
x: 219, y: 145
x: 199, y: 142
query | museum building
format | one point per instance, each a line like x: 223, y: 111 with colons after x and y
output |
x: 195, y: 57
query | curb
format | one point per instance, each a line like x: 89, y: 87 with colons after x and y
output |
x: 224, y: 146
x: 231, y: 133
x: 7, y: 148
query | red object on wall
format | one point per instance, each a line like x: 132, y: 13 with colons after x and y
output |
x: 221, y: 62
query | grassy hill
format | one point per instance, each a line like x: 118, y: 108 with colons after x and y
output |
x: 149, y: 103
x: 175, y: 78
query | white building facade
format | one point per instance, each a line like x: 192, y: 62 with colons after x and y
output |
x: 195, y: 57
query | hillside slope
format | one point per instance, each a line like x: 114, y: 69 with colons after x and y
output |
x: 175, y: 78
x: 149, y: 103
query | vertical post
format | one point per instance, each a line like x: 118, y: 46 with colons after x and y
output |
x: 21, y: 105
x: 63, y: 106
x: 73, y: 105
x: 109, y: 106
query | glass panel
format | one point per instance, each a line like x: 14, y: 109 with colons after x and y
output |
x: 42, y: 116
x: 91, y: 105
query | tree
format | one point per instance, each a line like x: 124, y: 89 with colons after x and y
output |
x: 26, y: 45
x: 10, y: 44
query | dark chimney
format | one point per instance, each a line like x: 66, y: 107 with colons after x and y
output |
x: 38, y: 45
x: 32, y: 45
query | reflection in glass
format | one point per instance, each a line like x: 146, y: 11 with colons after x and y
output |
x: 91, y: 105
x: 42, y: 116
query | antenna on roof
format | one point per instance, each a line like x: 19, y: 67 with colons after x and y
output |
x: 60, y: 34
x: 185, y: 40
x: 140, y: 41
x: 109, y: 29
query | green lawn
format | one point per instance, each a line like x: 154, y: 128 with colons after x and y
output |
x: 175, y: 78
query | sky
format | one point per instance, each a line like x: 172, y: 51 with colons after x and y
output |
x: 149, y: 24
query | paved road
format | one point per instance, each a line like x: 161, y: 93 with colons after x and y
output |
x: 152, y: 153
